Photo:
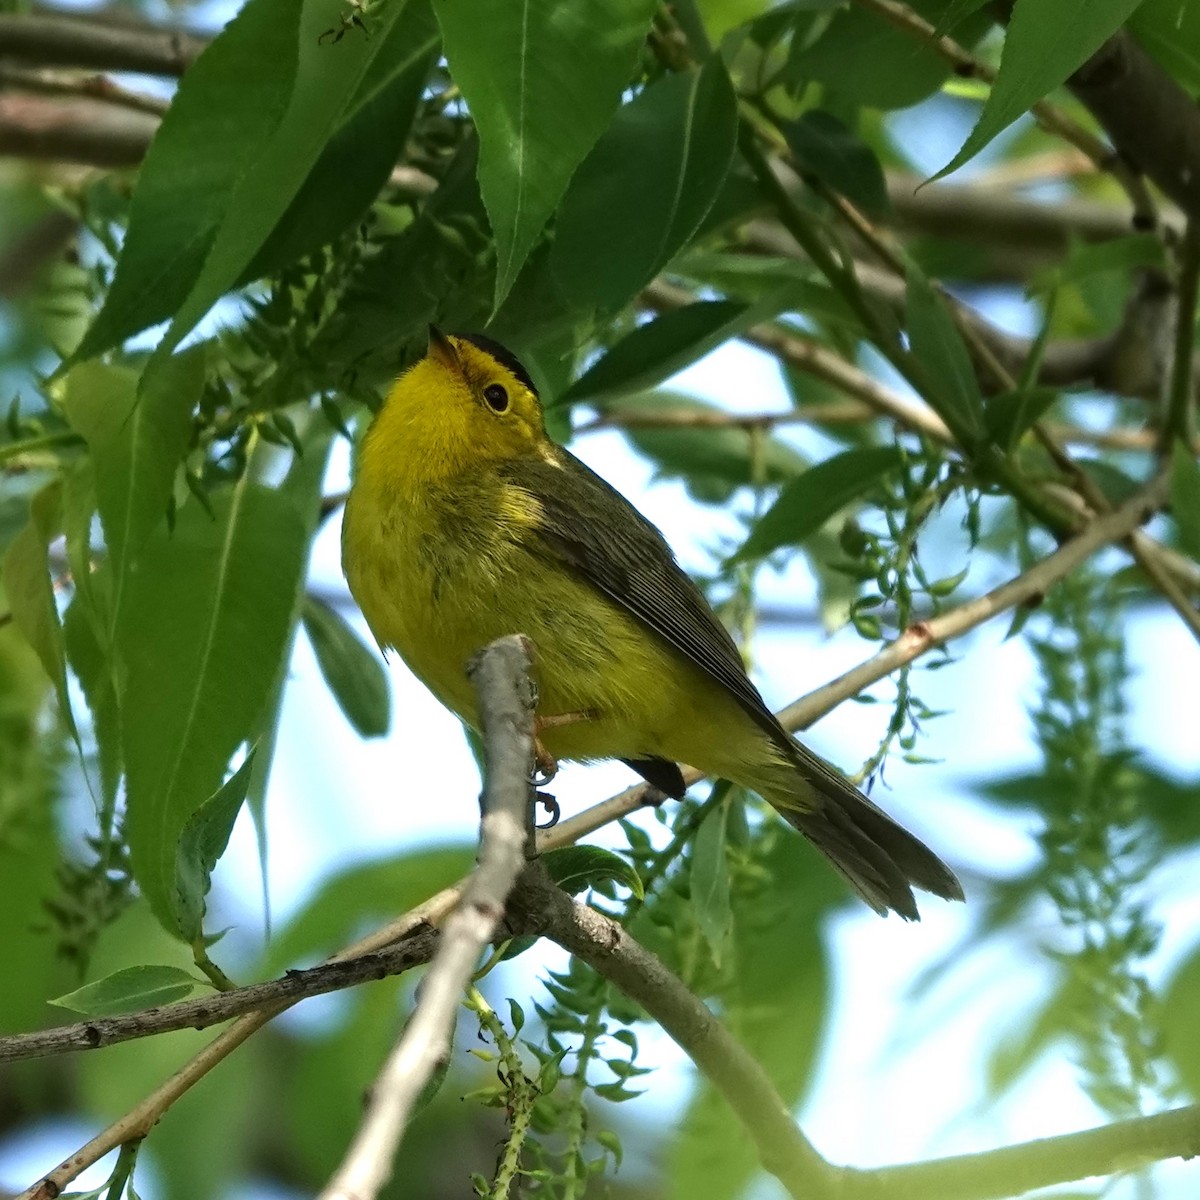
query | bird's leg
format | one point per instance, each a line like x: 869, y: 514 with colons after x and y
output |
x: 546, y: 763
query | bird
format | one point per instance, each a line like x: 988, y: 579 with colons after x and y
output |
x: 465, y: 522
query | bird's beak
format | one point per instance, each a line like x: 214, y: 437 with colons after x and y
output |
x: 441, y: 349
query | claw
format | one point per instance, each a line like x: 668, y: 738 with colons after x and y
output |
x: 553, y: 812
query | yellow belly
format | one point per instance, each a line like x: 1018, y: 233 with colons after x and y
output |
x: 439, y: 595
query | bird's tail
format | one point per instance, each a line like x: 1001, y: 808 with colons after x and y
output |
x: 882, y: 861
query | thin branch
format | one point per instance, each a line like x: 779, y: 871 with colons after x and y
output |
x: 506, y: 700
x: 59, y: 40
x: 1028, y: 588
x: 140, y: 1119
x: 204, y: 1011
x: 542, y: 908
x: 83, y: 130
x: 96, y: 87
x: 1181, y: 397
x: 1013, y: 1170
x: 1050, y: 116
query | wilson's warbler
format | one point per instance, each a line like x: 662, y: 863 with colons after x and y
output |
x: 465, y: 523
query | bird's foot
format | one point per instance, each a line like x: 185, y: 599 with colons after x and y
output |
x: 553, y: 812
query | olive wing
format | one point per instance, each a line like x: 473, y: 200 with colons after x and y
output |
x: 594, y: 530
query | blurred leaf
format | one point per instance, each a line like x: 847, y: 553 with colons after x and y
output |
x: 676, y: 139
x: 952, y: 389
x: 29, y: 590
x: 658, y: 349
x: 1086, y: 259
x: 710, y: 881
x: 354, y: 674
x: 808, y: 502
x: 1185, y: 498
x: 1181, y: 1002
x: 1113, y: 482
x: 827, y: 148
x: 132, y: 989
x: 136, y: 445
x: 1043, y: 46
x: 541, y: 85
x: 202, y: 843
x: 577, y: 868
x: 206, y: 620
x: 365, y: 892
x: 1008, y: 416
x: 712, y: 459
x: 862, y: 57
x: 1170, y: 31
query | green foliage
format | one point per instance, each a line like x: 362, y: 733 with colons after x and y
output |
x: 615, y: 192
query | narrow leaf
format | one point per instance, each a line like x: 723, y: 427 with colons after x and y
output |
x: 1043, y: 46
x: 825, y: 147
x: 1185, y: 498
x: 131, y: 989
x: 354, y: 674
x: 29, y: 590
x: 807, y: 503
x: 577, y: 868
x: 206, y: 620
x: 542, y: 79
x: 710, y: 881
x: 202, y: 843
x: 676, y: 140
x: 135, y: 444
x: 952, y: 389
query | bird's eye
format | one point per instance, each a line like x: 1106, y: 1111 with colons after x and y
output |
x: 496, y: 397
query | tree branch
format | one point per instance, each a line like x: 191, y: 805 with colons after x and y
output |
x: 506, y: 702
x: 542, y: 908
x: 203, y: 1011
x: 1013, y: 1170
x: 1028, y: 588
x: 83, y: 130
x: 59, y: 40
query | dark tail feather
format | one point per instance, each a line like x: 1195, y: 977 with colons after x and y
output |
x: 882, y: 861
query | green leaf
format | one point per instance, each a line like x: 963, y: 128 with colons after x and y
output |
x: 135, y: 444
x: 676, y: 140
x: 658, y: 349
x: 29, y: 589
x: 245, y: 130
x: 92, y: 668
x: 1043, y: 46
x: 356, y: 161
x: 131, y: 989
x: 205, y: 623
x: 862, y: 57
x: 808, y: 502
x: 825, y: 147
x: 354, y: 674
x: 202, y: 843
x: 952, y: 389
x: 542, y: 79
x: 712, y: 459
x: 710, y: 881
x: 577, y: 868
x: 1084, y: 260
x: 1185, y: 498
x: 1170, y: 31
x: 1008, y: 416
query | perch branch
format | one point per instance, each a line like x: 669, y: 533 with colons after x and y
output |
x: 501, y: 678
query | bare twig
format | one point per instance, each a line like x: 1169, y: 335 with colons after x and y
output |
x: 61, y: 40
x: 202, y: 1011
x: 140, y: 1119
x: 506, y: 716
x: 1181, y: 396
x: 82, y: 130
x: 97, y: 87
